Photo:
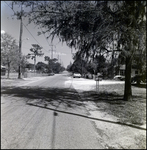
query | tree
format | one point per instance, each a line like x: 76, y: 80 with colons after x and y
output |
x: 69, y: 66
x: 36, y: 51
x: 89, y: 26
x: 47, y: 58
x: 42, y: 67
x: 23, y: 63
x: 132, y: 27
x: 9, y: 51
x: 53, y: 65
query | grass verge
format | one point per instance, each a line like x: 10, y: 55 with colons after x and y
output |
x: 110, y: 100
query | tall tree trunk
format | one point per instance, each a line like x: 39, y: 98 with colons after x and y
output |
x: 34, y: 63
x: 128, y: 90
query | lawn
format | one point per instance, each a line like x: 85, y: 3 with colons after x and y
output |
x: 110, y: 99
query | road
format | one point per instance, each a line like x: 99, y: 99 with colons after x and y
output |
x: 43, y: 114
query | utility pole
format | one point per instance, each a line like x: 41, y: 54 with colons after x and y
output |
x: 51, y: 55
x: 52, y: 50
x: 20, y: 44
x: 58, y: 57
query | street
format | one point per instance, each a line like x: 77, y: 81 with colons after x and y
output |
x: 45, y: 114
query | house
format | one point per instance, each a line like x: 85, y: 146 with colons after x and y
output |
x: 134, y: 70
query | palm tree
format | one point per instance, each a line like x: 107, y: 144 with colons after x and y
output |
x: 36, y: 51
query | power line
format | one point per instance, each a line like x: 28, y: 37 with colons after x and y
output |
x: 26, y: 27
x: 51, y: 45
x: 31, y: 34
x: 35, y: 38
x: 10, y: 7
x: 48, y: 43
x: 44, y: 35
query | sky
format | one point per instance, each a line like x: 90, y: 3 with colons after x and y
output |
x: 29, y: 36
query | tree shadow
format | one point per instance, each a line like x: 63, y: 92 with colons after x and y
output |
x: 47, y: 96
x: 109, y: 97
x: 69, y: 98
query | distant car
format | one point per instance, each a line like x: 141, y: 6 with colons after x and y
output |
x: 119, y: 77
x: 76, y: 75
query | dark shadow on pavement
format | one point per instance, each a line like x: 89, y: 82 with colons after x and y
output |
x: 47, y: 97
x: 67, y: 96
x: 52, y: 96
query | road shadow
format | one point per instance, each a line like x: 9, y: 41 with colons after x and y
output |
x: 48, y: 96
x: 67, y: 96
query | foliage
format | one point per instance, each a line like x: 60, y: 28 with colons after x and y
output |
x: 69, y: 66
x: 42, y: 67
x: 91, y: 26
x: 23, y: 64
x: 9, y: 51
x: 53, y: 65
x: 36, y: 51
x: 82, y: 66
x: 74, y: 22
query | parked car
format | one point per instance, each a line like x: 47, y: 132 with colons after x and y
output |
x: 138, y: 79
x: 119, y: 77
x: 76, y: 75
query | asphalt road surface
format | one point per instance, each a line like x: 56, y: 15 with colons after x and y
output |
x: 44, y: 114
